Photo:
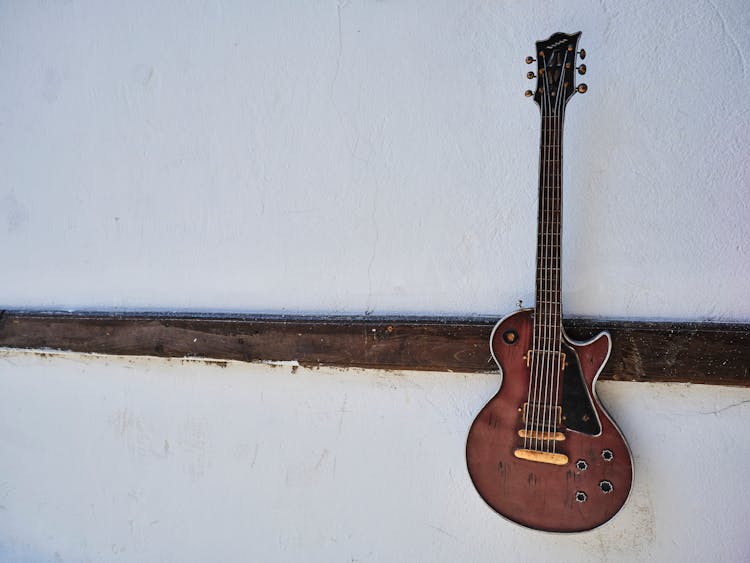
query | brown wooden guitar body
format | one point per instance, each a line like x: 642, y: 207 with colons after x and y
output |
x: 558, y: 498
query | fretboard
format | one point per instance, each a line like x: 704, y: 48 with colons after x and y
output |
x: 548, y: 322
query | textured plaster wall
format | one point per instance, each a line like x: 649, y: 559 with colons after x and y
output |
x: 354, y: 157
x: 146, y: 460
x: 368, y: 156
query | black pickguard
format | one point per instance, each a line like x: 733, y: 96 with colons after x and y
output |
x: 578, y: 412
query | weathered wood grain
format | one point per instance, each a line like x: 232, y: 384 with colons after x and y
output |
x: 642, y: 351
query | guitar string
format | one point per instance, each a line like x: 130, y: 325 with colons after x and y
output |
x: 533, y: 360
x: 549, y: 304
x: 561, y: 368
x: 543, y: 275
x: 553, y: 360
x: 547, y: 257
x: 544, y: 271
x: 542, y: 283
x: 558, y: 365
x: 552, y: 264
x: 545, y: 284
x: 530, y: 440
x: 549, y: 294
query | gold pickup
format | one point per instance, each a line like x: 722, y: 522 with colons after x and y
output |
x: 542, y: 457
x: 540, y: 435
x: 541, y: 415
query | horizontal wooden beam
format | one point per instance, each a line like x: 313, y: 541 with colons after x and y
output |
x: 642, y: 351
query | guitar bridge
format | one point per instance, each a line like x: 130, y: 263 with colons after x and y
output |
x: 541, y: 457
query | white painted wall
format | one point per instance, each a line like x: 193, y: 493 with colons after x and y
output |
x: 354, y: 157
x: 147, y: 460
x: 368, y: 156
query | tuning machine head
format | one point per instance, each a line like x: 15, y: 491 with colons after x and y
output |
x: 555, y: 65
x: 582, y: 88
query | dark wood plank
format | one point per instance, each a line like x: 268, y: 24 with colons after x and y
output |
x: 642, y: 351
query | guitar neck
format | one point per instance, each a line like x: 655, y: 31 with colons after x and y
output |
x: 548, y: 308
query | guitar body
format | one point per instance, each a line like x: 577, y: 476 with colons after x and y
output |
x: 593, y: 484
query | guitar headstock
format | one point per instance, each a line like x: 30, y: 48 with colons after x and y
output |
x: 556, y: 60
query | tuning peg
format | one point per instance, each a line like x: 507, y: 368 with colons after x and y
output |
x: 528, y: 93
x: 582, y: 69
x: 582, y: 88
x: 582, y: 54
x: 530, y: 75
x: 530, y: 60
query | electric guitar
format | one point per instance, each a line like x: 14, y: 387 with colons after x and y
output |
x: 543, y: 452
